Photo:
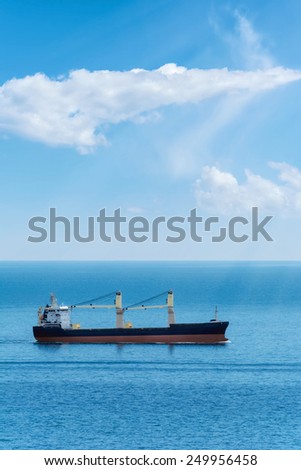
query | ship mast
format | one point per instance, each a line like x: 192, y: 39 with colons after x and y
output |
x: 119, y: 311
x: 53, y: 301
x: 171, y: 312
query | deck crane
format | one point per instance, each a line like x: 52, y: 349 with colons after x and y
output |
x: 138, y: 306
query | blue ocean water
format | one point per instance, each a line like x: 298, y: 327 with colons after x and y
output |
x: 242, y: 395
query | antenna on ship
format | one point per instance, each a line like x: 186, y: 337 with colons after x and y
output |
x: 215, y: 314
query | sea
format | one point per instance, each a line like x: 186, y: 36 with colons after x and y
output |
x: 245, y: 394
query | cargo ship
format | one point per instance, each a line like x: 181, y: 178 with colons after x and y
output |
x: 54, y: 326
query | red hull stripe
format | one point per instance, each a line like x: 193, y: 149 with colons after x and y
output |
x: 165, y: 339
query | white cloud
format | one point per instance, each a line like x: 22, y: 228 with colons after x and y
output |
x: 74, y: 111
x: 220, y: 191
x: 289, y: 174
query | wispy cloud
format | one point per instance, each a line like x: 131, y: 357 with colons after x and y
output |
x: 74, y: 111
x: 222, y: 192
x: 242, y: 40
x: 249, y: 44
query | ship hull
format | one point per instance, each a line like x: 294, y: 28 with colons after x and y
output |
x: 196, y: 333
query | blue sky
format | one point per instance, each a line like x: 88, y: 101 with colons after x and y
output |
x: 155, y: 108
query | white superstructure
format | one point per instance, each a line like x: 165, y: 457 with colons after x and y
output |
x: 54, y: 314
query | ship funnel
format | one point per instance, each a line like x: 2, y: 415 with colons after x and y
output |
x: 53, y: 301
x: 170, y: 305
